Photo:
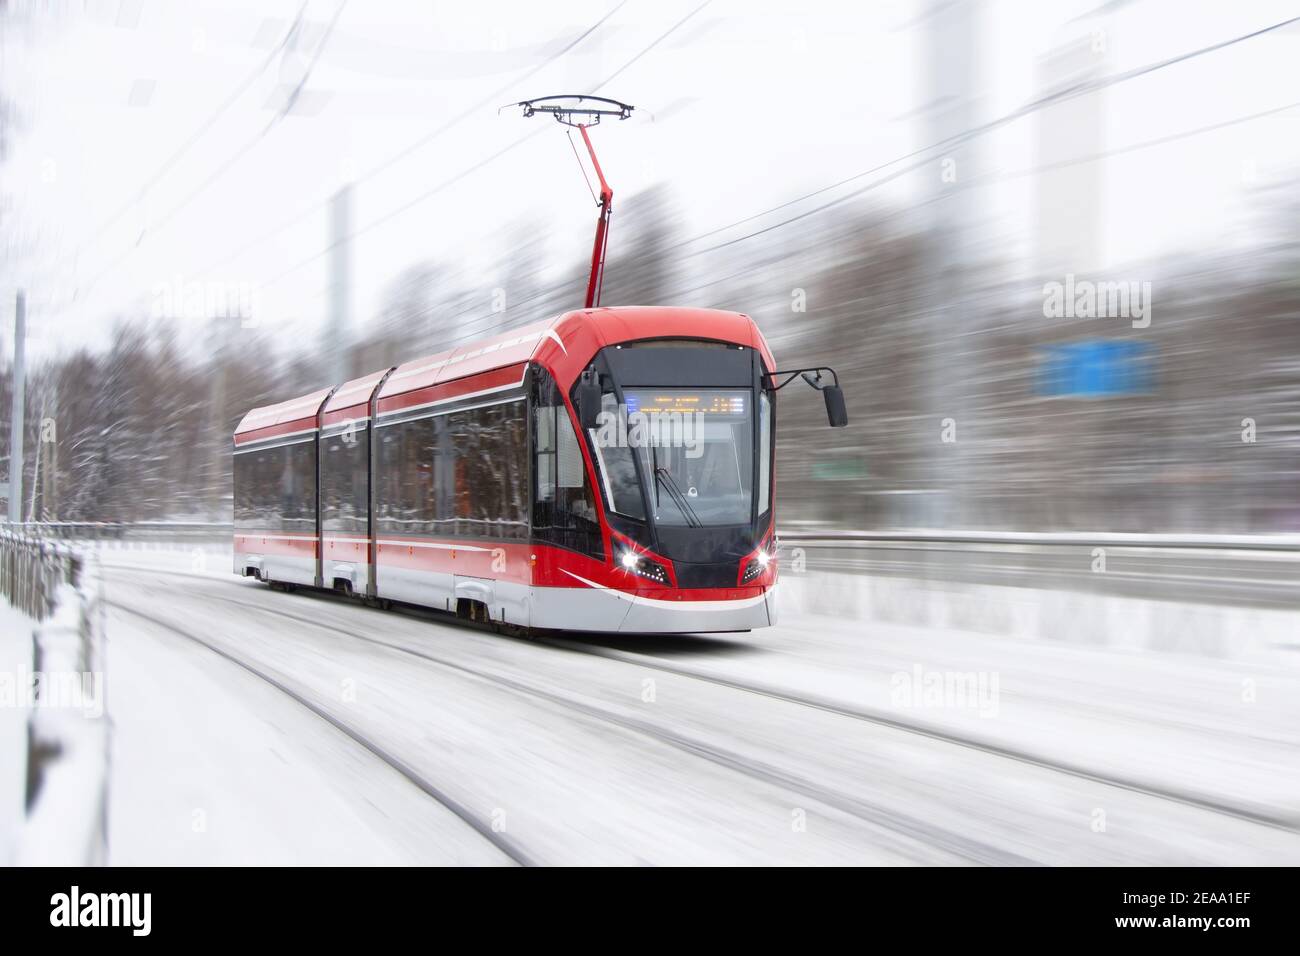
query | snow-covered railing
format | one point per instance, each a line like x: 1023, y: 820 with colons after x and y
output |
x: 811, y: 534
x: 790, y: 532
x: 121, y: 530
x: 67, y: 725
x: 32, y: 570
x: 948, y: 566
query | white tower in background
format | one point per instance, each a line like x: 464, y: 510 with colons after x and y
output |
x: 951, y: 81
x: 1068, y: 203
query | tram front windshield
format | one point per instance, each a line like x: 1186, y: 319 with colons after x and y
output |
x: 697, y: 453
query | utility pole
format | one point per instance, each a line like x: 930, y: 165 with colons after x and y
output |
x: 340, y: 284
x: 16, y: 419
x: 49, y: 459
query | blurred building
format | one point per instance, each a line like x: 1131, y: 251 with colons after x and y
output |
x: 1068, y: 214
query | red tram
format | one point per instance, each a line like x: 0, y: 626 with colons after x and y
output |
x: 460, y: 481
x: 608, y: 470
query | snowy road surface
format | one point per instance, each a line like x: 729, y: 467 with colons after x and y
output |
x: 253, y: 726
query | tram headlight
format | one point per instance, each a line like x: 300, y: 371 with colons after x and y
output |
x: 755, y: 566
x: 644, y: 567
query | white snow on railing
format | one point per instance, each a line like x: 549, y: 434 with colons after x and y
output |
x: 1249, y: 542
x: 63, y: 694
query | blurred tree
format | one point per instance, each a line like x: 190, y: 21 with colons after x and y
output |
x: 639, y: 267
x: 144, y: 428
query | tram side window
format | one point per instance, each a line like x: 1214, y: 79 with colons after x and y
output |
x: 344, y: 487
x: 298, y: 488
x: 491, y: 470
x: 405, y: 502
x: 462, y: 473
x: 247, y: 511
x: 440, y: 508
x: 269, y: 464
x: 275, y: 488
x: 564, y: 510
x: 615, y: 465
x: 388, y: 443
x: 544, y: 449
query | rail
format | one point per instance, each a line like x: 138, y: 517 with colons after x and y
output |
x: 1072, y: 539
x: 32, y: 569
x: 65, y: 785
x: 90, y: 531
x: 789, y: 534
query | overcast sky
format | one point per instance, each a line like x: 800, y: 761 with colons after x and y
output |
x: 753, y: 103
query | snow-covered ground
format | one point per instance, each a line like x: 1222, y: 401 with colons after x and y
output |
x: 213, y: 766
x: 824, y: 740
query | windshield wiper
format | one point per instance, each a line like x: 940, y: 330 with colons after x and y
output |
x: 664, y: 476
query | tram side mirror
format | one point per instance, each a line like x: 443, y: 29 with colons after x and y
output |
x: 836, y: 413
x: 589, y: 405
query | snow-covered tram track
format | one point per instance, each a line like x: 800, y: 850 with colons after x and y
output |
x: 793, y: 771
x: 1261, y: 816
x: 503, y: 843
x: 1248, y: 814
x: 910, y: 830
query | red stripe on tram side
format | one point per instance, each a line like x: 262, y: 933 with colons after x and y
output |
x: 276, y: 542
x: 492, y: 560
x: 497, y: 378
x: 345, y: 546
x: 273, y: 431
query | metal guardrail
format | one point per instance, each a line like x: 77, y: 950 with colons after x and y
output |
x: 66, y: 786
x: 1223, y: 569
x: 792, y: 534
x: 32, y: 569
x: 1255, y: 569
x: 1073, y: 539
x: 122, y: 530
